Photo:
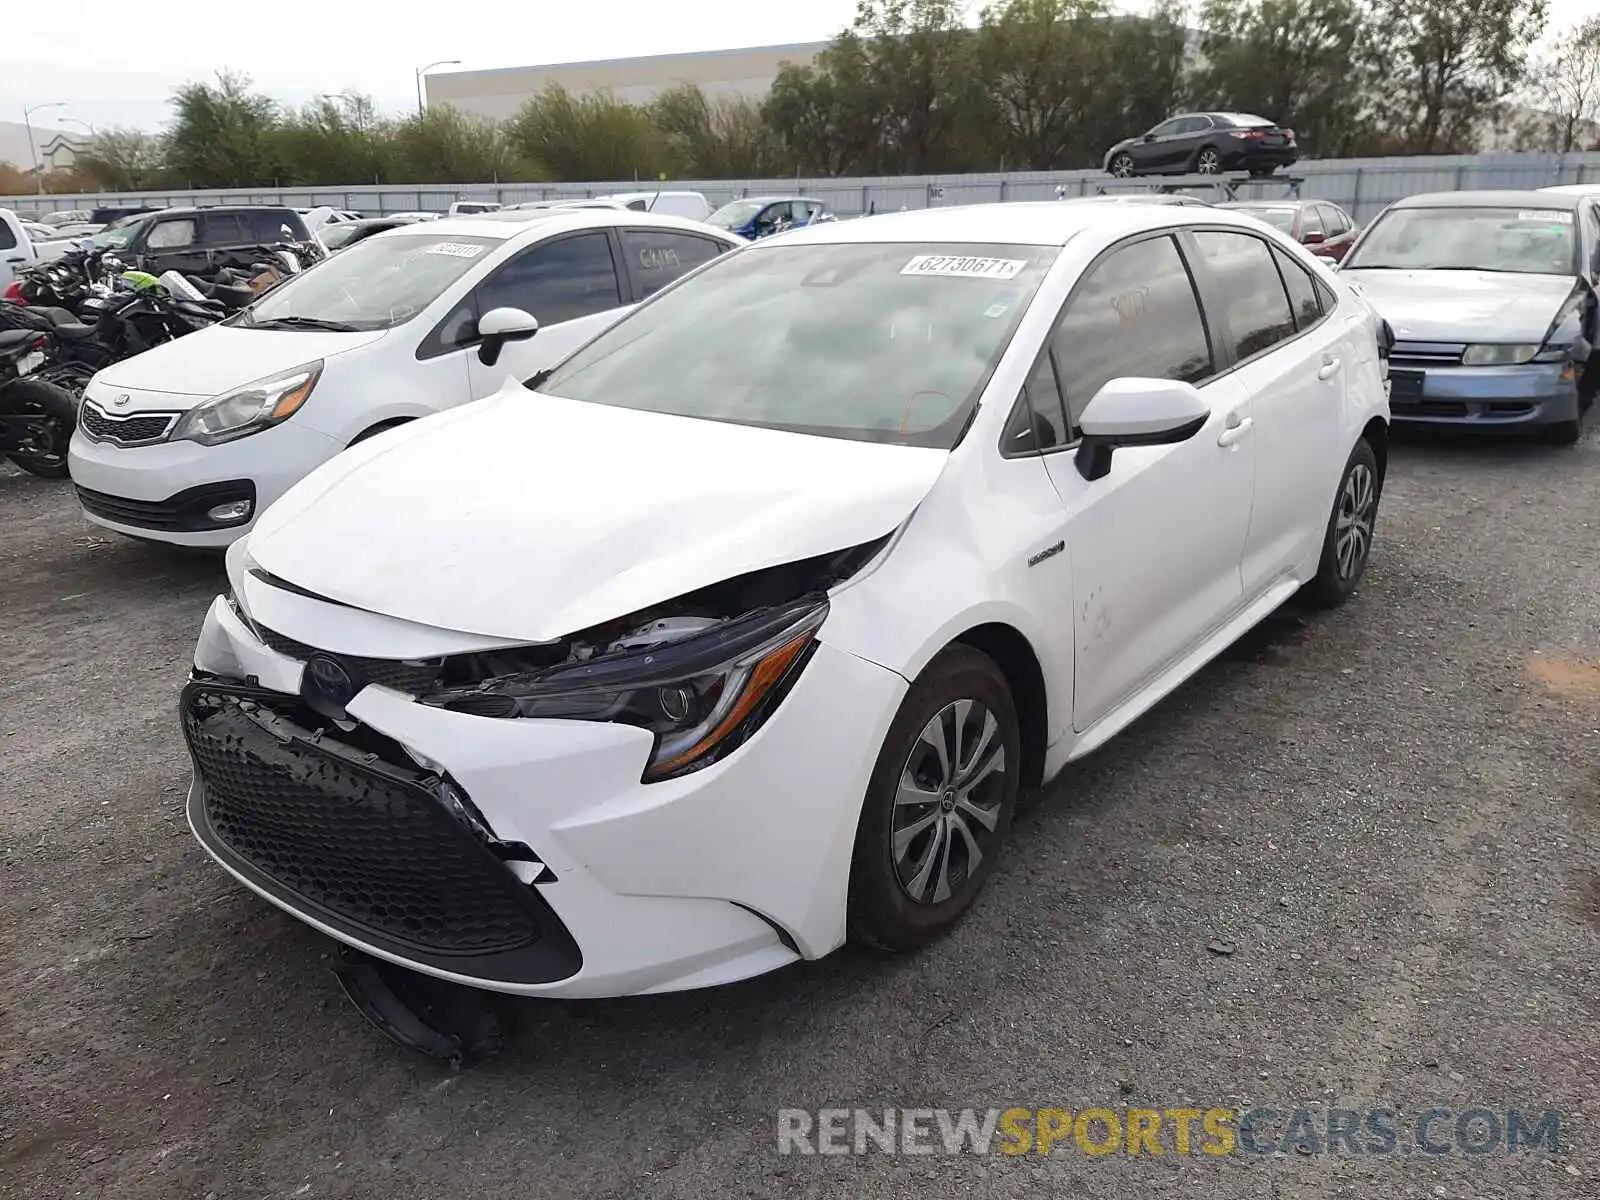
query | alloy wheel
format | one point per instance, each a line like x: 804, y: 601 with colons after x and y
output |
x: 1208, y: 163
x: 1352, y: 525
x: 948, y: 802
x: 1122, y: 166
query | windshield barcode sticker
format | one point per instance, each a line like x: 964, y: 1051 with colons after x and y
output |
x: 455, y: 249
x: 959, y: 266
x: 1546, y: 214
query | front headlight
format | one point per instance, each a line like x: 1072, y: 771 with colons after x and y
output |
x: 701, y: 696
x: 1498, y: 356
x: 249, y: 409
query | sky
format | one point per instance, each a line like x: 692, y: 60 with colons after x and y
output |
x: 113, y: 70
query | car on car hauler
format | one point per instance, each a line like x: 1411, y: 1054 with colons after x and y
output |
x: 740, y: 631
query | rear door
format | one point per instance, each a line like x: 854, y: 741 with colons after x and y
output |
x: 1289, y: 358
x: 569, y: 283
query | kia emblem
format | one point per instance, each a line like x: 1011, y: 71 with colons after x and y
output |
x: 121, y: 401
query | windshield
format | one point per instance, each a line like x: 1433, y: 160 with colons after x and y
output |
x: 119, y: 233
x: 1278, y: 218
x: 341, y: 233
x: 377, y: 283
x: 1518, y: 240
x: 735, y: 215
x: 878, y: 343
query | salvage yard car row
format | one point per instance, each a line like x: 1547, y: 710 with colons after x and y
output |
x: 730, y: 621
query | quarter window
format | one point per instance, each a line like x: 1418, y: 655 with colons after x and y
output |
x: 656, y: 257
x: 1039, y: 421
x: 1254, y: 304
x: 1302, y: 290
x: 556, y: 281
x: 1134, y: 314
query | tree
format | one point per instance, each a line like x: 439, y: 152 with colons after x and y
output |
x: 225, y: 135
x: 825, y: 116
x: 912, y: 53
x: 587, y: 137
x: 337, y: 139
x: 124, y: 160
x: 1449, y: 62
x: 444, y: 145
x: 1566, y: 91
x: 1040, y: 68
x: 1298, y: 62
x: 715, y: 139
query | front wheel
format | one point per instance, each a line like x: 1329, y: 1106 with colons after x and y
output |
x: 938, y: 805
x: 54, y: 413
x: 1121, y: 166
x: 1347, y: 542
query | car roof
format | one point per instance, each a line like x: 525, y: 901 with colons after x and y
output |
x: 511, y: 223
x: 1573, y: 189
x: 1496, y: 199
x: 1273, y: 203
x: 1021, y: 223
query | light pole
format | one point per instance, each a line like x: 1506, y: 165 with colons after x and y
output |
x: 421, y: 71
x: 27, y: 124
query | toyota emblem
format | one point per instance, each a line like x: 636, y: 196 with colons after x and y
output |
x: 121, y: 401
x: 329, y: 680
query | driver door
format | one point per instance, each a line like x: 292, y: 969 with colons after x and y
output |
x: 570, y: 284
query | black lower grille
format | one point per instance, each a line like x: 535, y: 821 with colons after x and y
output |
x: 141, y: 427
x: 414, y: 677
x: 184, y: 512
x: 340, y: 833
x: 1427, y: 408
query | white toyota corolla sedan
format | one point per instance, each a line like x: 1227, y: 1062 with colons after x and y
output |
x: 737, y: 635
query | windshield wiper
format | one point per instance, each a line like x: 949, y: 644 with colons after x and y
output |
x: 304, y: 323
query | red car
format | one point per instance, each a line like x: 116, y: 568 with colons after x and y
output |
x: 1322, y: 228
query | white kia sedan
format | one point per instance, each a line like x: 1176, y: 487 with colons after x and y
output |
x: 738, y: 633
x: 189, y: 442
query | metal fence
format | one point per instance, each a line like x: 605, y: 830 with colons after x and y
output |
x: 1362, y: 186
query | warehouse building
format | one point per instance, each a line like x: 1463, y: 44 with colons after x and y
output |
x: 720, y: 73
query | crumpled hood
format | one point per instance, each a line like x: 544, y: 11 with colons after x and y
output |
x: 218, y: 359
x: 1464, y: 306
x: 529, y: 517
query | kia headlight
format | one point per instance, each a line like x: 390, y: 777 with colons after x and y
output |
x: 248, y: 409
x: 701, y: 696
x: 1498, y: 355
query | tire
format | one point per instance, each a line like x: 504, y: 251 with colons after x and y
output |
x: 902, y: 903
x: 60, y: 411
x: 1565, y: 433
x: 1207, y: 161
x: 1121, y: 166
x: 1336, y: 581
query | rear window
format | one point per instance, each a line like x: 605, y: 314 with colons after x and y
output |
x: 1278, y: 218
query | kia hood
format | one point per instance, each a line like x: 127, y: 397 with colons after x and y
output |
x: 218, y: 359
x: 527, y: 517
x: 1463, y: 306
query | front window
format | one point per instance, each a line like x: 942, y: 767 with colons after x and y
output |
x: 736, y: 215
x: 117, y: 235
x: 880, y: 342
x: 1518, y: 240
x: 376, y: 284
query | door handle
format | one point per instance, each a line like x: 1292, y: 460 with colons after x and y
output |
x: 19, y: 258
x: 1329, y: 368
x: 1237, y: 428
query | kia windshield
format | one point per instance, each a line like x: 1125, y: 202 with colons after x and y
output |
x: 871, y: 342
x: 1517, y: 240
x: 377, y: 283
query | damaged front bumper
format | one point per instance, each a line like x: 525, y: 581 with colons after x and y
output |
x: 524, y: 855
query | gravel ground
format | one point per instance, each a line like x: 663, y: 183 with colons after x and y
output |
x: 1388, y: 812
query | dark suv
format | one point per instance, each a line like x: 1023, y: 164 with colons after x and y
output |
x: 199, y: 241
x: 1205, y: 144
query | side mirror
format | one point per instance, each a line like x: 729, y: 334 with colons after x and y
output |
x: 499, y: 326
x: 1137, y: 412
x: 1314, y: 239
x: 1149, y: 137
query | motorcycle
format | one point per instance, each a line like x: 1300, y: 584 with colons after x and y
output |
x: 36, y: 417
